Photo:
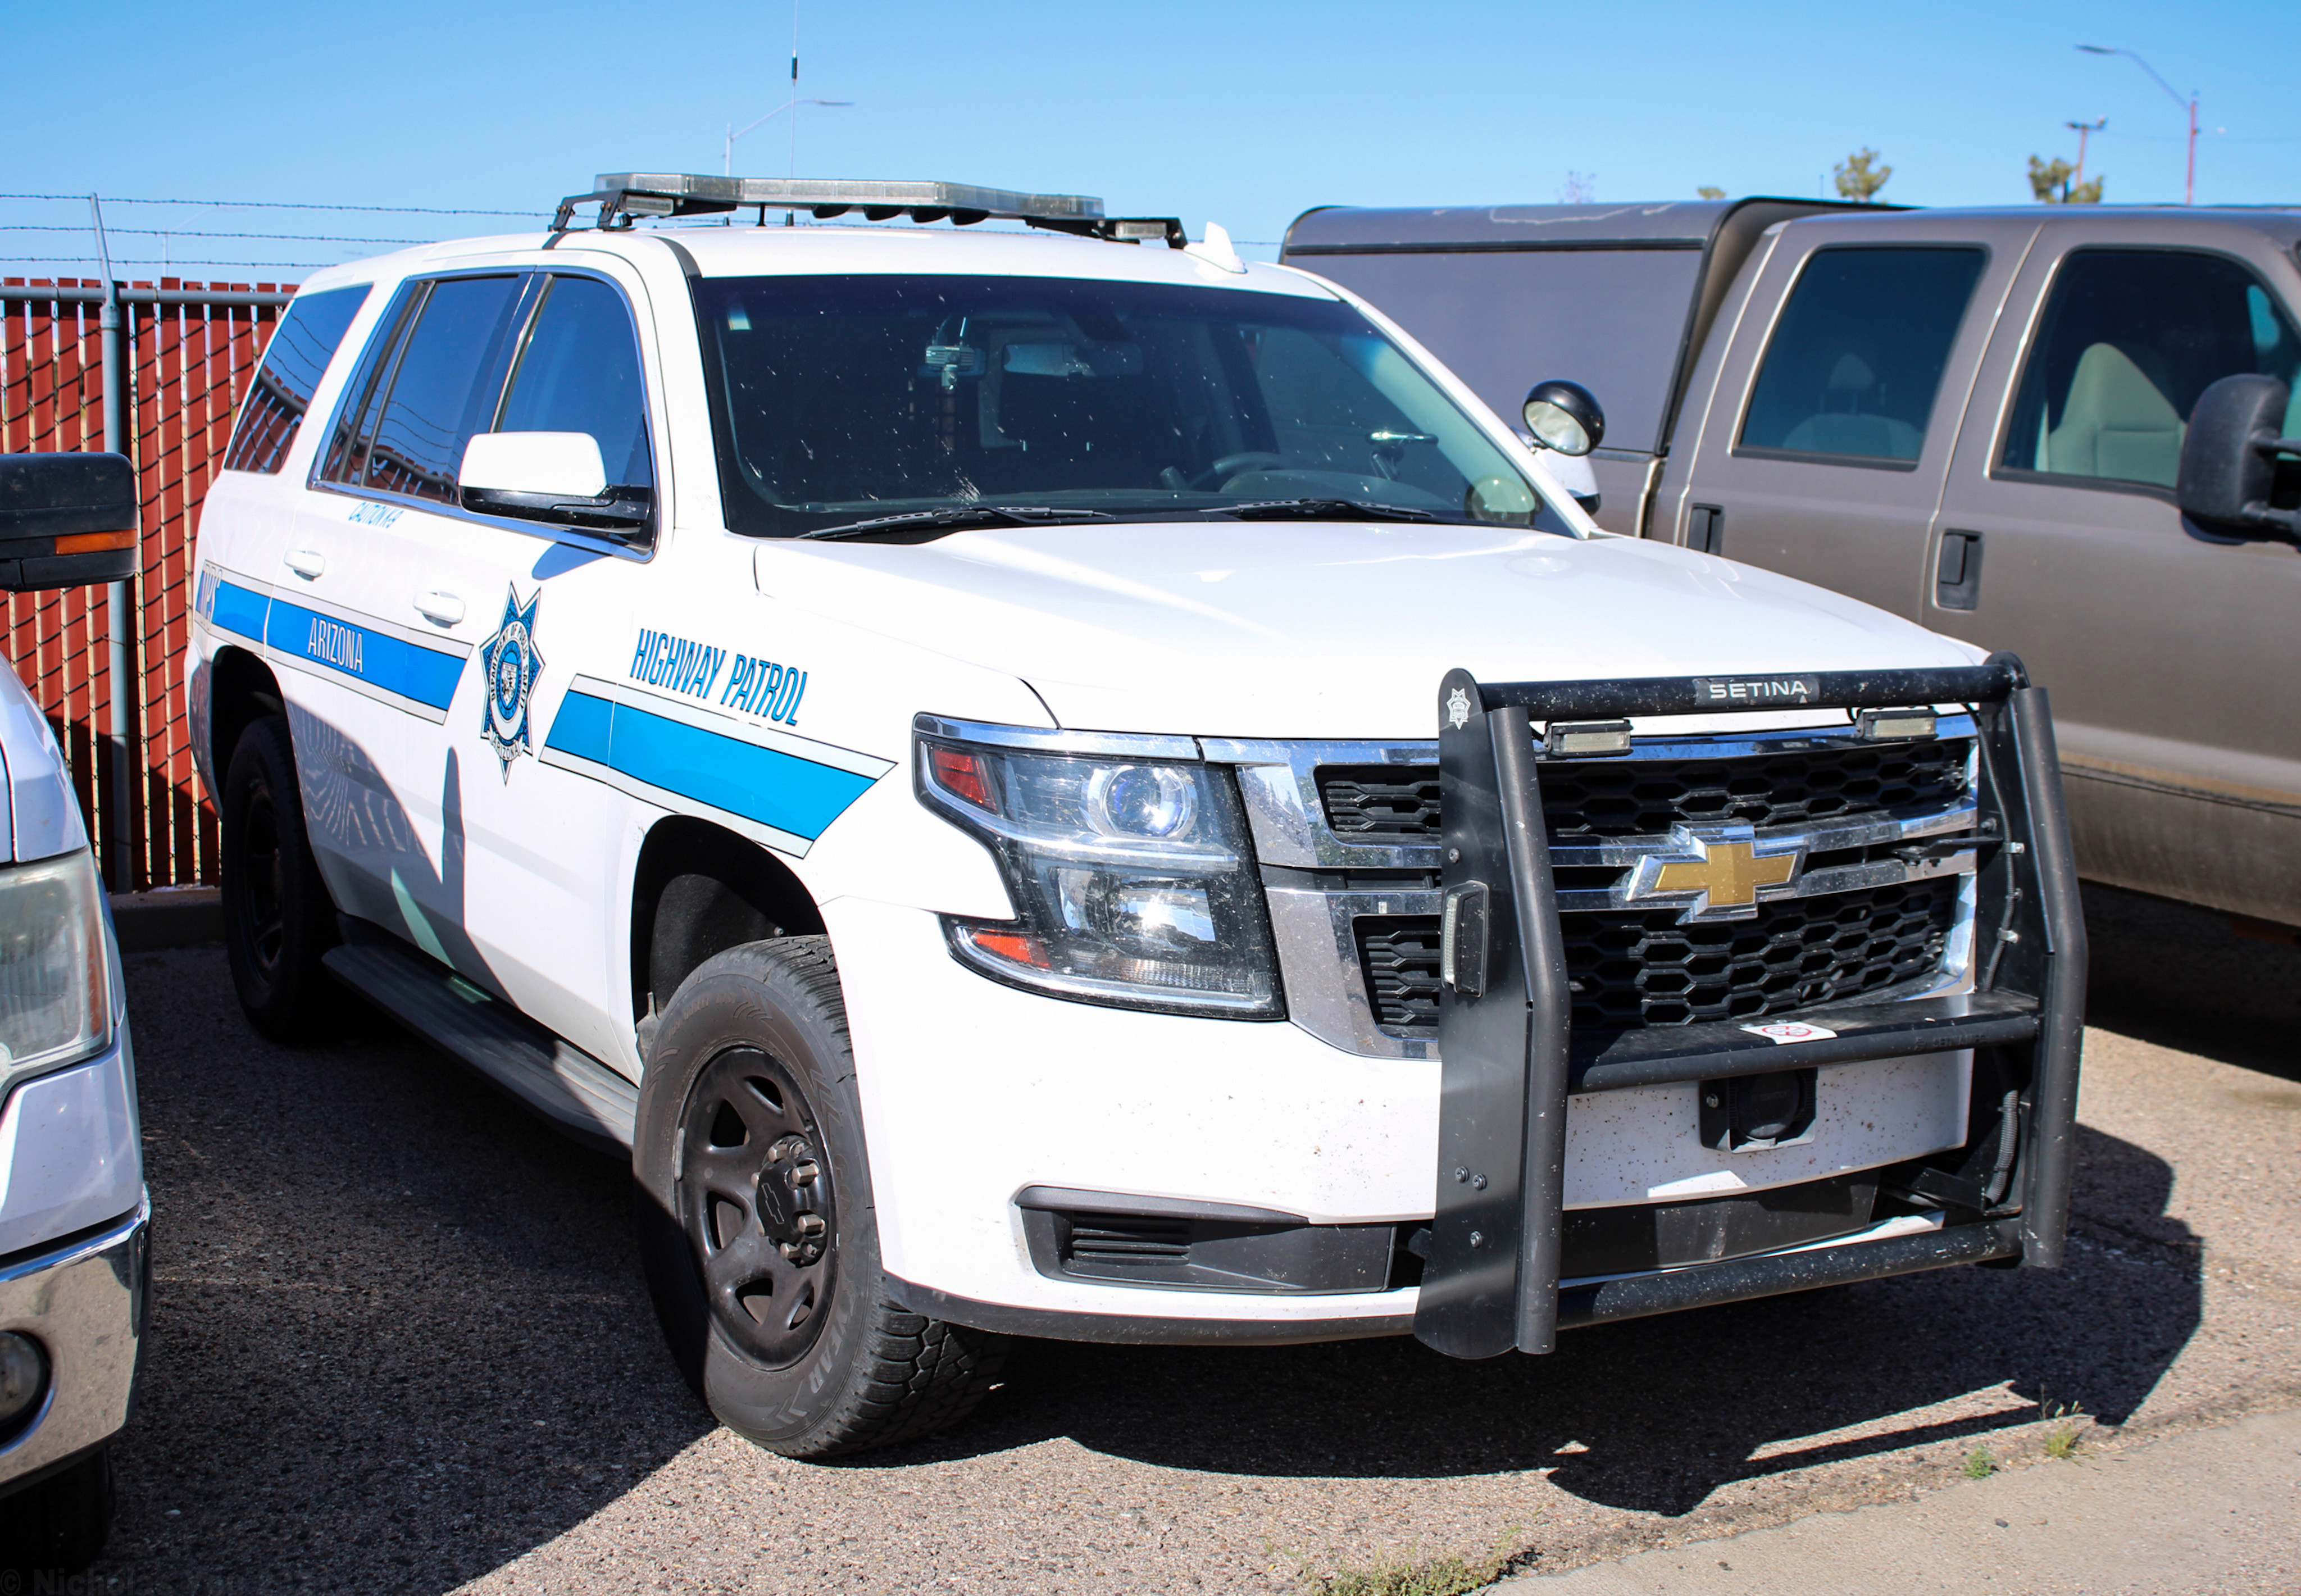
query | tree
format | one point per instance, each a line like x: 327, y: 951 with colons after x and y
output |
x: 2049, y: 180
x: 1580, y: 189
x: 1859, y: 179
x: 1708, y: 192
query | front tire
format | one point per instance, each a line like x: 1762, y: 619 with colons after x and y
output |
x: 757, y: 1222
x: 278, y: 917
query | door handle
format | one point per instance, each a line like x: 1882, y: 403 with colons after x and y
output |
x: 305, y: 562
x: 1957, y: 572
x: 1705, y: 529
x: 444, y: 609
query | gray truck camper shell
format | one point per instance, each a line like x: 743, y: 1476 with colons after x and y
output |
x: 1620, y: 301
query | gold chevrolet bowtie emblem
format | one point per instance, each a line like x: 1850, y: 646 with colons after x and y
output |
x: 1730, y: 872
x: 1723, y: 879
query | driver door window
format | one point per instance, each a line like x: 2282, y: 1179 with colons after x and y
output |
x: 2129, y: 339
x: 579, y: 371
x: 440, y: 392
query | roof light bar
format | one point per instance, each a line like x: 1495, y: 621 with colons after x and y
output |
x: 625, y: 196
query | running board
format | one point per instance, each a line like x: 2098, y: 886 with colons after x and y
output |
x: 576, y: 1092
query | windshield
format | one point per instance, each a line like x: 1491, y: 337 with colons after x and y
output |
x: 838, y: 399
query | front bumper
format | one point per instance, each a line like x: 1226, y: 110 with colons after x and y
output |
x: 84, y: 1302
x: 1003, y: 1126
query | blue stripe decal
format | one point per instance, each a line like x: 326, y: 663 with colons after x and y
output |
x: 239, y: 610
x: 426, y: 675
x: 765, y: 785
x: 583, y: 728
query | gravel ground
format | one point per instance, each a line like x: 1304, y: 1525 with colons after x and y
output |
x: 401, y: 1343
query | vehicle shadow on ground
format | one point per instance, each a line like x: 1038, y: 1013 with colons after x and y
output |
x: 398, y: 1335
x: 2184, y: 978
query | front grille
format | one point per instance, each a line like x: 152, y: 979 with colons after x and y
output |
x: 1588, y: 799
x: 1631, y: 970
x: 1381, y: 800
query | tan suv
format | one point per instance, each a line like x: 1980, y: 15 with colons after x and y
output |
x: 1976, y: 418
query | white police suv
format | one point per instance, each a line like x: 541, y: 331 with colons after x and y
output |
x: 74, y: 1269
x: 1073, y: 786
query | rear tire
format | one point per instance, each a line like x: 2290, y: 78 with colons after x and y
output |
x: 278, y: 917
x: 57, y: 1526
x: 757, y: 1222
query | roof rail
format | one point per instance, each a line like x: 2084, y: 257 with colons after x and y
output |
x: 625, y: 196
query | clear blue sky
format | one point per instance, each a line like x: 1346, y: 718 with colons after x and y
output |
x: 1241, y: 113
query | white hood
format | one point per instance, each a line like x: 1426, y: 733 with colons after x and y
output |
x: 1286, y: 630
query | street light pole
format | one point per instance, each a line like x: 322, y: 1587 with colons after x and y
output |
x: 727, y: 164
x: 2190, y: 184
x: 2081, y: 129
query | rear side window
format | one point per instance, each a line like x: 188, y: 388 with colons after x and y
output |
x: 297, y: 356
x: 579, y: 371
x: 2129, y: 340
x: 1858, y: 355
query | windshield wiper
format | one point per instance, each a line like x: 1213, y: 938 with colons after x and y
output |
x: 958, y: 515
x: 1318, y: 509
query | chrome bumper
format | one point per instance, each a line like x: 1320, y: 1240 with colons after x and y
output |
x: 84, y: 1303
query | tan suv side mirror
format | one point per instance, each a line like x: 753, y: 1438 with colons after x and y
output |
x: 2231, y: 479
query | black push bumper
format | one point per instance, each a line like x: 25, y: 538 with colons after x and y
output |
x: 1492, y: 1280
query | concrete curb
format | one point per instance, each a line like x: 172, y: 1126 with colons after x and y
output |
x: 2196, y: 1511
x: 167, y: 917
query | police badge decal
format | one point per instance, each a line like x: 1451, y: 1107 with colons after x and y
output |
x: 511, y: 665
x: 1458, y: 709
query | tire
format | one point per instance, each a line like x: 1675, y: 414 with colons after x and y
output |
x: 278, y: 917
x: 58, y: 1526
x: 756, y: 1223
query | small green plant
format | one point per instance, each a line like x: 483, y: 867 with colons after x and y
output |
x: 1858, y: 177
x: 1980, y: 1465
x: 2064, y: 1429
x: 1407, y: 1575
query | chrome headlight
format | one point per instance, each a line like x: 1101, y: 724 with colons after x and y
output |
x: 55, y: 996
x: 1131, y: 878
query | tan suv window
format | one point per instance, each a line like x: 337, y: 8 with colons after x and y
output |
x: 1854, y: 364
x: 2129, y: 340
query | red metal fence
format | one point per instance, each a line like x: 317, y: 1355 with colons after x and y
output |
x: 190, y: 351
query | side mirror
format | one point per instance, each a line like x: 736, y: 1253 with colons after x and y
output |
x: 66, y: 520
x: 1564, y: 416
x: 548, y: 476
x: 2230, y: 457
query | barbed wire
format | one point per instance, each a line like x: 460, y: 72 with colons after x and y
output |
x: 168, y: 232
x: 89, y: 260
x: 278, y: 204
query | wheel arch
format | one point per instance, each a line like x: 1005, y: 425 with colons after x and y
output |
x: 241, y: 689
x: 700, y: 889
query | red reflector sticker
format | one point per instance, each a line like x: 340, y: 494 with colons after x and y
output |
x: 1013, y: 947
x: 962, y: 775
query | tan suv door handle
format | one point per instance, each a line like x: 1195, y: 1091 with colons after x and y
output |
x: 444, y: 609
x: 1957, y: 572
x: 305, y: 562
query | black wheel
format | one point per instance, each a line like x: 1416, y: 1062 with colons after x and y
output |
x: 756, y: 1224
x: 278, y: 918
x: 56, y: 1525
